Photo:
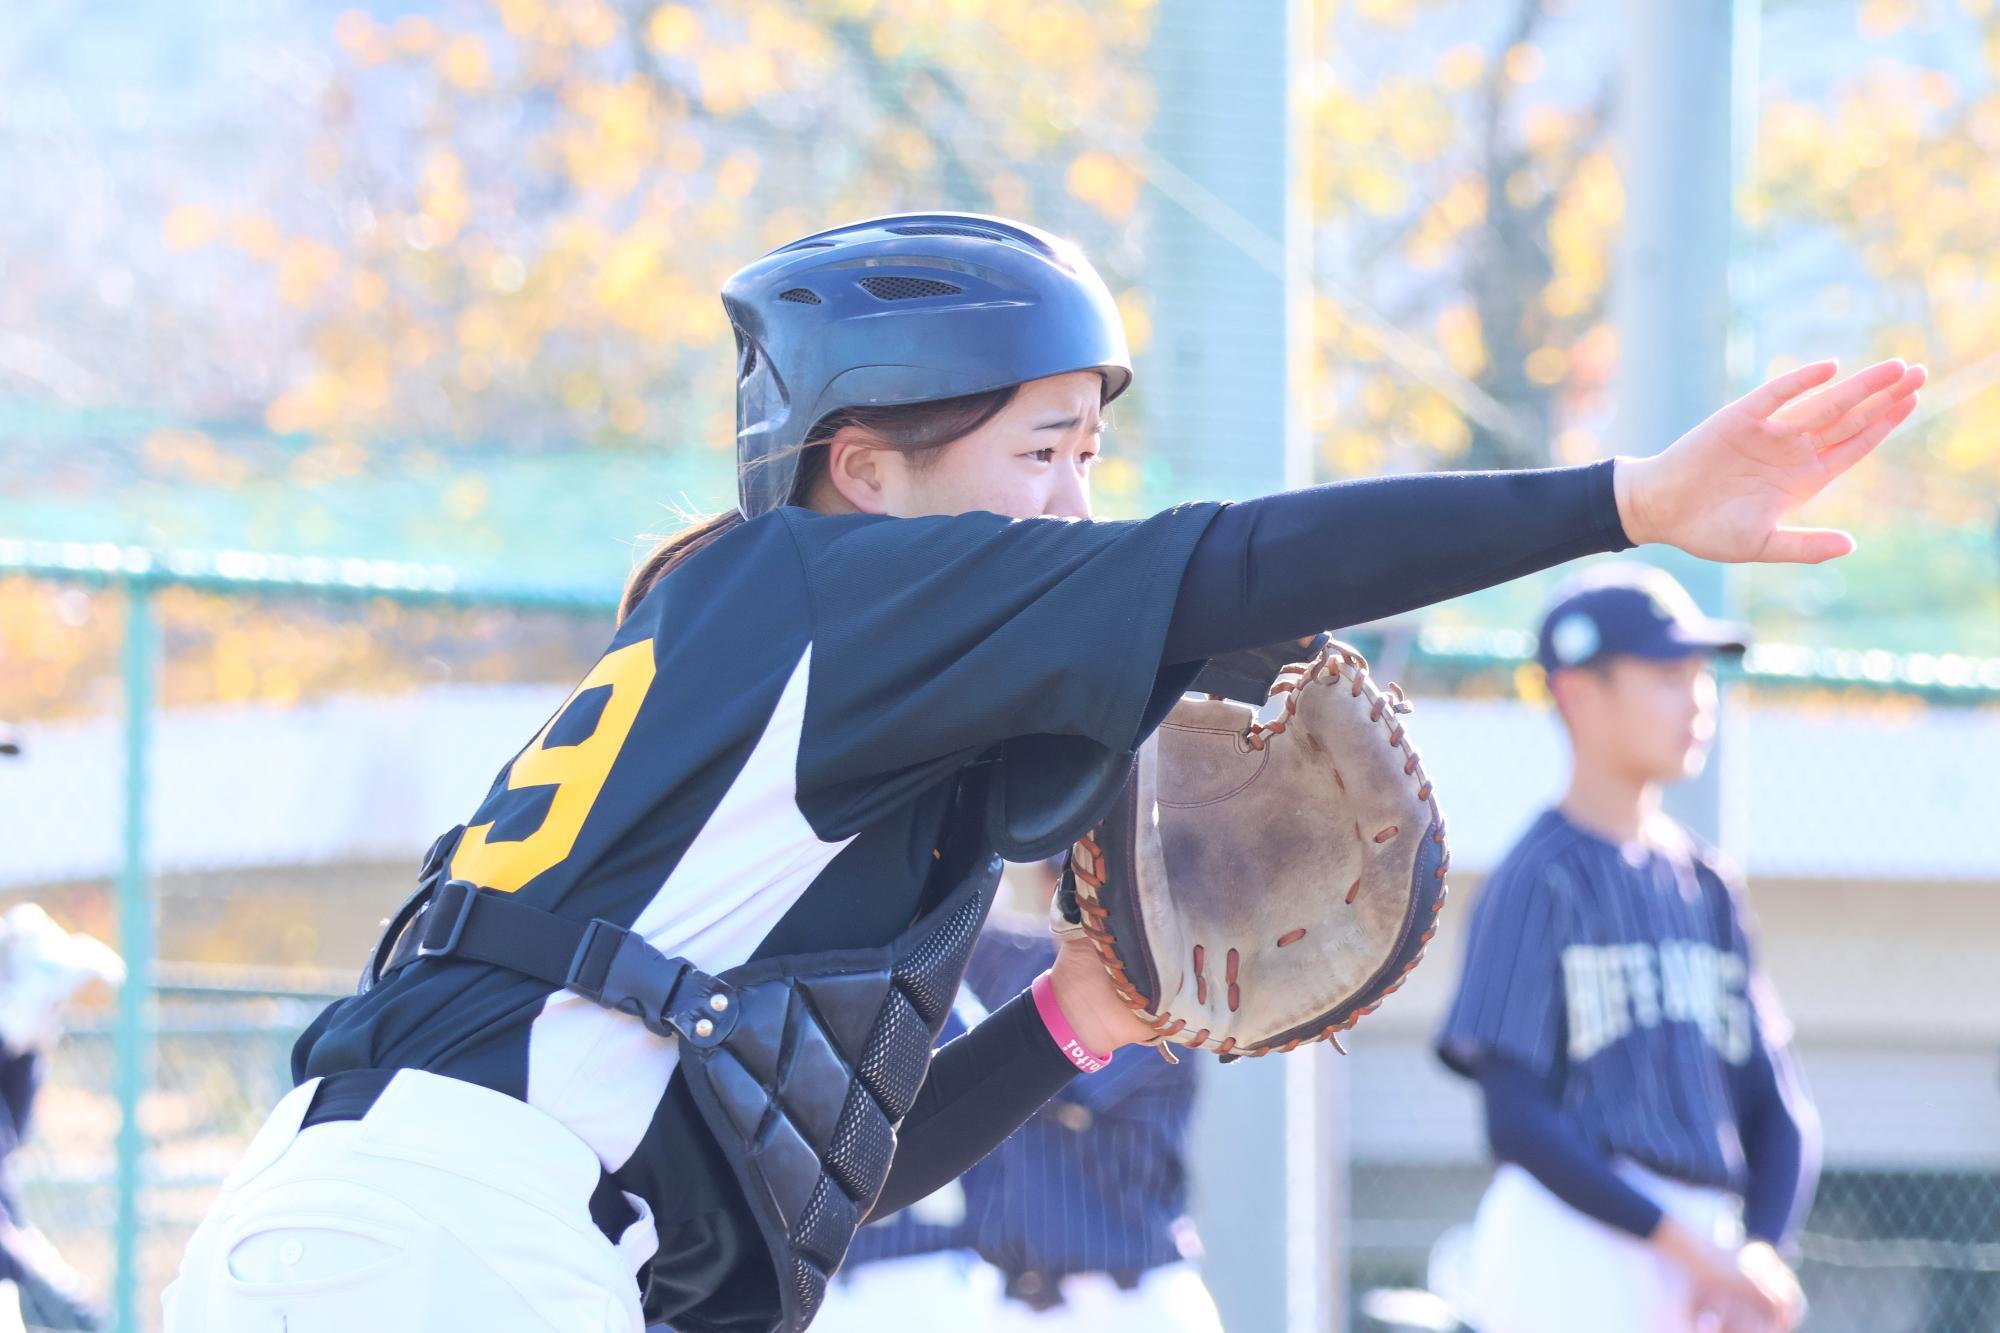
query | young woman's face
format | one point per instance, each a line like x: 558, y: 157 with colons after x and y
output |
x: 1033, y: 458
x: 1651, y: 720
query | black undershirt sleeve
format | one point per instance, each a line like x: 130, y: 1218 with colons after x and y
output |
x: 981, y: 1088
x: 1298, y: 562
x: 1279, y: 567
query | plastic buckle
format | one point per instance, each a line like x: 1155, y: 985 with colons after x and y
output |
x: 455, y: 898
x: 645, y: 983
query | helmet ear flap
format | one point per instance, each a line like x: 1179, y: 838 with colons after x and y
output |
x: 763, y: 408
x: 761, y: 401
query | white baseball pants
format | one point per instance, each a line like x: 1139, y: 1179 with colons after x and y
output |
x: 448, y: 1206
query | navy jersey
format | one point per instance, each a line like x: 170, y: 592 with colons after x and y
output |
x: 1095, y: 1181
x: 766, y: 760
x: 1625, y: 977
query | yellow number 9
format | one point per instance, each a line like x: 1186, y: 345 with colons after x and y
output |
x: 577, y: 772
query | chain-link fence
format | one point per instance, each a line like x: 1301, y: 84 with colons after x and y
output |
x: 307, y: 736
x: 229, y: 768
x: 219, y: 1059
x: 1913, y: 1251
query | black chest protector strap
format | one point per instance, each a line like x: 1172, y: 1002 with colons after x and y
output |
x: 600, y: 960
x: 603, y: 962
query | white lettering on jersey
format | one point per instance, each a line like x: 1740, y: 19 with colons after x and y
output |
x: 1612, y: 989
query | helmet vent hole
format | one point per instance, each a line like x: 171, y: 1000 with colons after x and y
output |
x: 908, y: 289
x: 800, y: 296
x: 940, y: 229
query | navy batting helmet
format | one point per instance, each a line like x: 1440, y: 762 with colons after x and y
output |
x: 908, y: 308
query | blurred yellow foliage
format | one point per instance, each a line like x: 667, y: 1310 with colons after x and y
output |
x: 1460, y: 67
x: 1904, y: 165
x: 59, y: 648
x: 1885, y: 18
x: 1440, y: 233
x: 1137, y: 314
x: 189, y: 227
x: 1547, y: 365
x: 673, y: 30
x: 1105, y: 183
x: 1523, y: 62
x: 464, y: 64
x: 1501, y: 195
x: 192, y: 456
x: 304, y: 267
x: 414, y: 35
x: 1459, y: 335
x: 560, y: 276
x: 255, y: 235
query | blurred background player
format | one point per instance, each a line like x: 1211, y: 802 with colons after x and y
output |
x: 921, y: 1258
x: 1083, y: 1209
x: 1657, y: 1148
x: 42, y: 968
x: 1080, y: 1216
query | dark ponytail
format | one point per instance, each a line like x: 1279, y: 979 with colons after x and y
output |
x: 915, y: 429
x: 670, y: 552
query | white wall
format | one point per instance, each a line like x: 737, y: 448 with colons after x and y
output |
x: 1826, y: 795
x: 1891, y: 984
x: 348, y: 778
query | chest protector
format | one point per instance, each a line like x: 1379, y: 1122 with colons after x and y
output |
x: 824, y: 1061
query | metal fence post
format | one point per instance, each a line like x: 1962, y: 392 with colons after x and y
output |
x: 1672, y: 295
x: 135, y: 942
x: 1228, y: 271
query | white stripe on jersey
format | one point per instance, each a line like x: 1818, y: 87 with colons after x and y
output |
x: 600, y: 1072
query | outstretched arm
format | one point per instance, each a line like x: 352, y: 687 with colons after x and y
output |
x: 1301, y: 561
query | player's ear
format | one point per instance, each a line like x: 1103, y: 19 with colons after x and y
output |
x: 855, y: 465
x: 1566, y: 686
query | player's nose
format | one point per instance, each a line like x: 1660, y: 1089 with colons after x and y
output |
x: 1069, y: 497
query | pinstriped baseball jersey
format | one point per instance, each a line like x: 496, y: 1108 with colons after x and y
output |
x: 1625, y: 975
x: 1097, y: 1180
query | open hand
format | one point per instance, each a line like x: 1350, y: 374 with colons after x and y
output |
x: 1774, y: 1277
x: 1720, y: 491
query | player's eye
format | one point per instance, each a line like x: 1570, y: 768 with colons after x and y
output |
x: 1043, y: 455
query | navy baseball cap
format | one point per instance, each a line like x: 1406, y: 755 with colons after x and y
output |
x: 1629, y: 611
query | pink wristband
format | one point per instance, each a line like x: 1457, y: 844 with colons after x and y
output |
x: 1066, y: 1040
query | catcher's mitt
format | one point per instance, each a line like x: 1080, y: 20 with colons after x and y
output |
x: 1269, y: 874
